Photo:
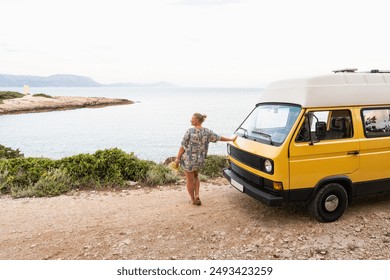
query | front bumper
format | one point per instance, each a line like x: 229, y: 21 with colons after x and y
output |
x: 253, y: 191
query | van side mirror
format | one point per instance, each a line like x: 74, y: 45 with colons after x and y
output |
x: 320, y: 130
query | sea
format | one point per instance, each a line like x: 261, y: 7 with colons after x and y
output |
x: 152, y: 128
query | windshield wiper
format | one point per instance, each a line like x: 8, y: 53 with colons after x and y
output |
x: 265, y: 135
x: 245, y: 132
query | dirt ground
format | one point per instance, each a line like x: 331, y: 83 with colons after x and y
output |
x: 160, y: 223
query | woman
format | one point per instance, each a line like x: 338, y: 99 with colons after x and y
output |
x: 193, y: 152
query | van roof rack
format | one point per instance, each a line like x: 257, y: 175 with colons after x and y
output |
x: 353, y: 70
x: 379, y: 71
x: 348, y: 70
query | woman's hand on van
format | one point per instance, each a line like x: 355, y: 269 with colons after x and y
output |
x: 224, y: 138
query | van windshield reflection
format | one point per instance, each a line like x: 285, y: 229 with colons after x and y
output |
x: 269, y: 123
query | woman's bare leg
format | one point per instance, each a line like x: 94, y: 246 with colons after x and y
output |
x: 197, y: 185
x: 190, y: 176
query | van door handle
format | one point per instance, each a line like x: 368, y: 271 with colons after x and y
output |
x: 355, y: 153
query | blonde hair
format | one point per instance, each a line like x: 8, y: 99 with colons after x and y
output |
x: 200, y: 117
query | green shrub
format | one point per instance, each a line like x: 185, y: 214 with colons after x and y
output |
x: 115, y: 165
x: 106, y: 167
x: 213, y: 166
x: 6, y: 153
x: 9, y: 95
x: 26, y: 170
x: 42, y: 95
x: 4, y: 181
x: 81, y: 168
x: 160, y: 175
x: 21, y: 173
x: 52, y: 183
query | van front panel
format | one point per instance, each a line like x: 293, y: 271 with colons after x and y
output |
x: 250, y: 156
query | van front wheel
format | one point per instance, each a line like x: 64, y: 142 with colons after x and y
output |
x: 329, y: 203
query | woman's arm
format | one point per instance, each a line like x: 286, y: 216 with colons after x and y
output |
x: 225, y: 139
x: 179, y: 154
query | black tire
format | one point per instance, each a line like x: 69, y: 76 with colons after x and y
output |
x: 329, y: 203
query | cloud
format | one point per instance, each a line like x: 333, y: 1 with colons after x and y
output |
x: 208, y: 2
x: 6, y: 47
x: 192, y: 42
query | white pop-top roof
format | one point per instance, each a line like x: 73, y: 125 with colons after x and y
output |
x: 339, y: 89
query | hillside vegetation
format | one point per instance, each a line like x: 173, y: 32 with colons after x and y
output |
x: 111, y: 168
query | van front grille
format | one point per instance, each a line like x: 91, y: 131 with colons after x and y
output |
x: 258, y: 181
x: 254, y: 161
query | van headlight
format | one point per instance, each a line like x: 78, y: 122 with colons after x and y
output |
x: 268, y: 167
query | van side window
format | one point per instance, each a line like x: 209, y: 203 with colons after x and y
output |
x: 376, y: 122
x: 338, y: 124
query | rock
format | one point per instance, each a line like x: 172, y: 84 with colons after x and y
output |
x: 32, y: 104
x: 169, y: 160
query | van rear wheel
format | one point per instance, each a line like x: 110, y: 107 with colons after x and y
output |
x: 329, y: 203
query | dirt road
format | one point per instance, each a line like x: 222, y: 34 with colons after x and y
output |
x: 160, y: 223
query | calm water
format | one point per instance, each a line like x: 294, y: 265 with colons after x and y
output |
x: 152, y: 128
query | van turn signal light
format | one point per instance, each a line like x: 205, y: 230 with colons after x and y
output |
x: 278, y: 186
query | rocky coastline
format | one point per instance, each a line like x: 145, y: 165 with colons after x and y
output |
x: 35, y: 104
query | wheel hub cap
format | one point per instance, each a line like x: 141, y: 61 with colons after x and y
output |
x: 331, y: 203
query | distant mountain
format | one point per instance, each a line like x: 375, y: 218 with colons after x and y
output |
x: 50, y: 81
x: 159, y: 84
x: 62, y: 80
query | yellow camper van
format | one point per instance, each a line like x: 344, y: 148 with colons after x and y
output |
x: 321, y: 140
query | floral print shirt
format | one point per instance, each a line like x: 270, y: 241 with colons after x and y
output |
x: 196, y: 144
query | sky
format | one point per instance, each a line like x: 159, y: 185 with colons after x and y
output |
x: 226, y: 43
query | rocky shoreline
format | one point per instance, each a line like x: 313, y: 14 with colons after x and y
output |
x: 35, y: 104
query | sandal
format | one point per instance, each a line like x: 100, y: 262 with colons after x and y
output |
x: 197, y: 201
x: 192, y: 202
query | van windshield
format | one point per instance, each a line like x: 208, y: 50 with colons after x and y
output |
x: 269, y: 123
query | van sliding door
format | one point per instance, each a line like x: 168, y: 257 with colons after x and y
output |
x: 316, y: 155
